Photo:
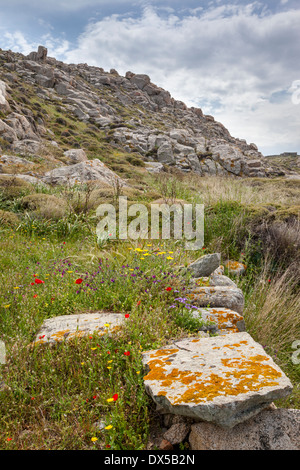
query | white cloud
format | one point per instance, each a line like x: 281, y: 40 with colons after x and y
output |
x: 233, y: 61
x: 228, y: 60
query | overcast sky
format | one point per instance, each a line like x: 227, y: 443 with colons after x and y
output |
x: 237, y: 60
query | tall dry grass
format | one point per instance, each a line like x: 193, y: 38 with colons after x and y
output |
x: 272, y: 312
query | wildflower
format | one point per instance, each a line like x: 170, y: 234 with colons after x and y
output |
x: 38, y: 281
x: 169, y: 257
x: 168, y: 289
x: 127, y: 315
x: 93, y: 349
x: 110, y: 400
x: 126, y: 353
x: 115, y: 397
x: 9, y: 439
x: 138, y: 372
x: 6, y: 306
x: 108, y: 446
x: 139, y: 302
x: 94, y: 397
x: 94, y: 439
x: 108, y: 427
x: 78, y: 281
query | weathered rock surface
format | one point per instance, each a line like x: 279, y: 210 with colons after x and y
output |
x: 65, y: 327
x: 226, y: 321
x: 75, y: 156
x: 30, y: 179
x: 92, y: 170
x: 269, y: 430
x: 162, y: 128
x: 218, y: 296
x: 205, y: 265
x: 224, y: 380
x: 234, y: 267
x: 12, y: 160
x: 220, y: 280
x: 177, y: 433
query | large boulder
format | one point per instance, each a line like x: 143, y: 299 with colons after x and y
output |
x: 224, y: 380
x: 91, y: 170
x: 4, y: 105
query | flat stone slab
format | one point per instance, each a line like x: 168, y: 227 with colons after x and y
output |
x: 218, y: 296
x: 65, y: 327
x: 272, y: 429
x: 226, y: 321
x: 224, y: 380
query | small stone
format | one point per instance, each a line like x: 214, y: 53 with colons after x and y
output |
x: 205, y: 265
x: 234, y: 267
x: 177, y: 433
x: 165, y: 445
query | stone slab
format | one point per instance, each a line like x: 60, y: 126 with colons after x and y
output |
x: 227, y: 321
x: 224, y: 380
x: 218, y: 296
x: 65, y: 327
x: 269, y: 430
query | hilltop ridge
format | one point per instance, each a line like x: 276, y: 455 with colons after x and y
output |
x: 44, y: 101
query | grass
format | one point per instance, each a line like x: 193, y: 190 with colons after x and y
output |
x: 61, y: 397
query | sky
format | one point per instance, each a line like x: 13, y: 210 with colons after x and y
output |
x: 237, y: 60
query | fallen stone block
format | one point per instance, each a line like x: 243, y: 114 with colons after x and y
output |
x: 205, y: 265
x: 269, y: 430
x: 218, y: 296
x: 224, y: 380
x: 226, y: 321
x: 64, y: 327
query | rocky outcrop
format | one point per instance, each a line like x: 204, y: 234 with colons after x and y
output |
x: 162, y: 129
x: 91, y: 170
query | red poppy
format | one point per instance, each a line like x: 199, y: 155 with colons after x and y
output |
x: 9, y: 439
x: 78, y: 281
x: 35, y: 296
x: 126, y: 353
x: 115, y: 396
x: 169, y: 289
x: 139, y: 302
x: 127, y: 315
x: 108, y: 446
x: 94, y: 397
x: 38, y: 281
x: 32, y: 283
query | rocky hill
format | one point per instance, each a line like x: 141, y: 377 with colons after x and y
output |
x: 47, y: 104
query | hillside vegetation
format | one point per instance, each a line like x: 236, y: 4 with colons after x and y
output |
x: 88, y: 393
